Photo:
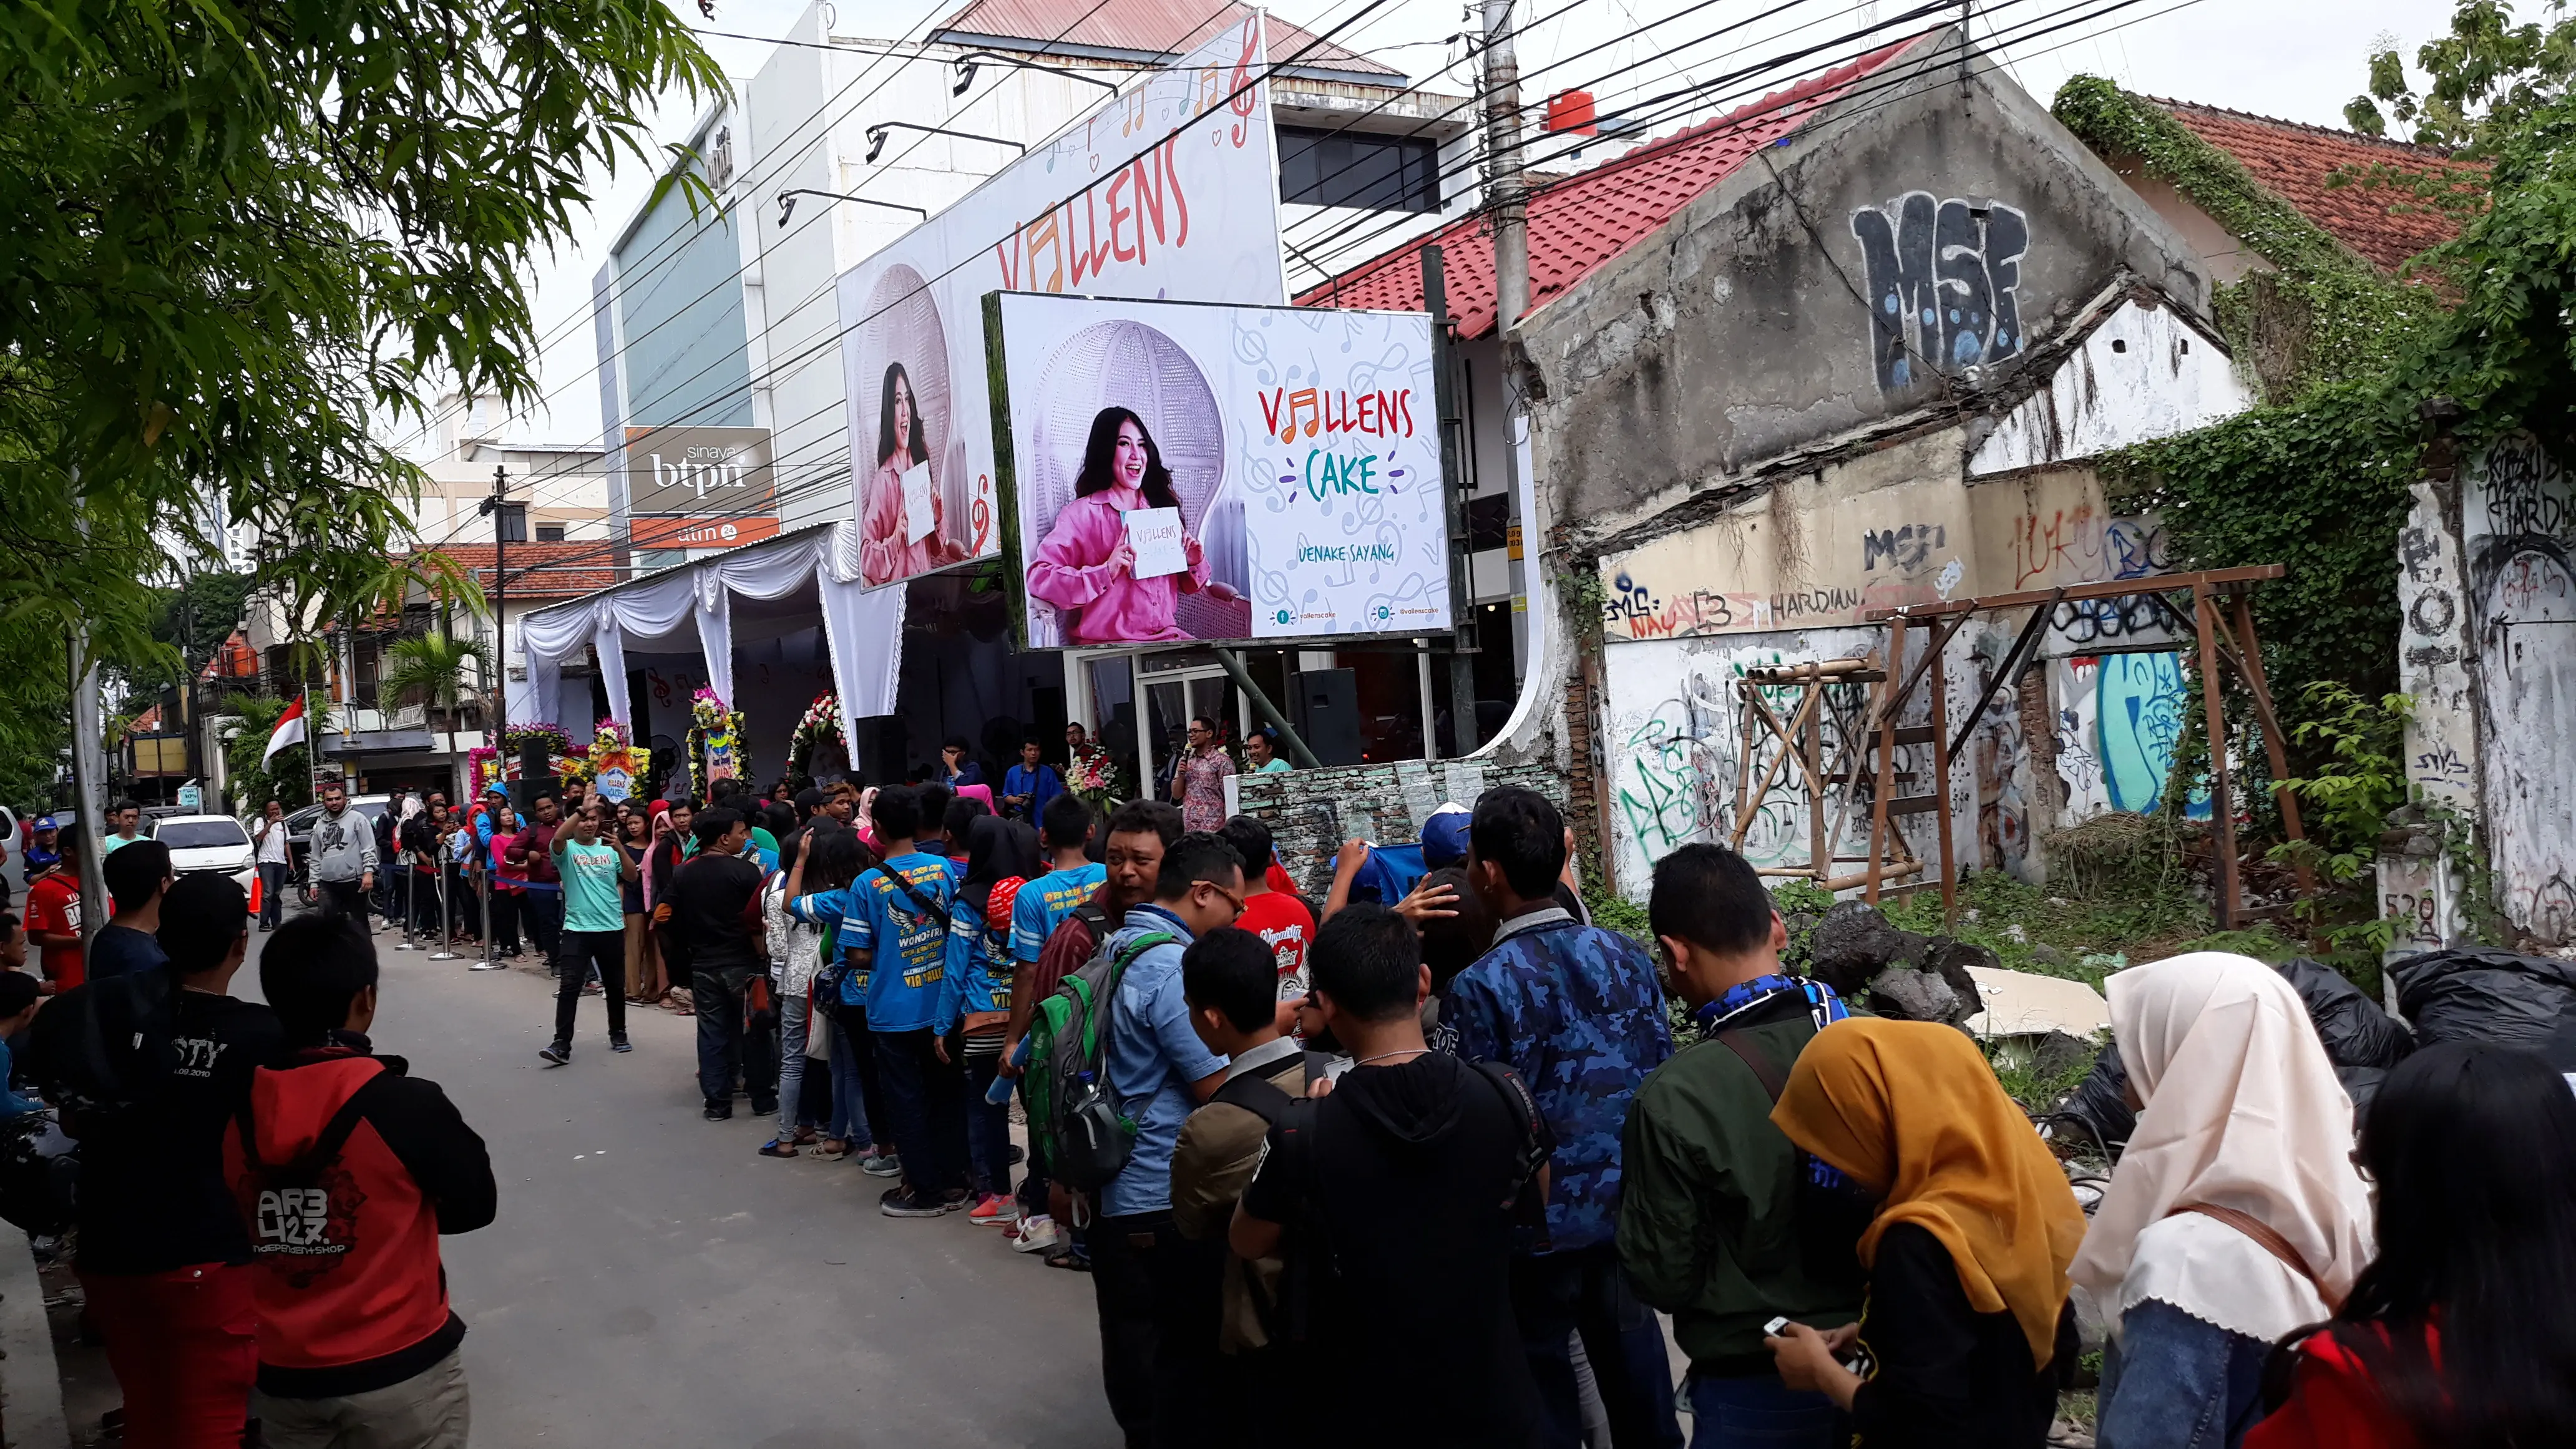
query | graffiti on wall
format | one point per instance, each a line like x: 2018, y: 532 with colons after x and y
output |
x: 2119, y: 722
x: 1674, y: 749
x: 1944, y: 283
x: 2518, y: 510
x: 2433, y: 652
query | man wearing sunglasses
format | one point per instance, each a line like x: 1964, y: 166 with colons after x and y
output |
x: 1158, y: 1292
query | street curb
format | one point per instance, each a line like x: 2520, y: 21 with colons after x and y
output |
x: 31, y: 1389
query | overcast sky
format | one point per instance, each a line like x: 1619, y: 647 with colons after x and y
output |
x: 2300, y: 60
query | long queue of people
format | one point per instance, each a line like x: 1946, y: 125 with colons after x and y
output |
x: 1439, y: 1157
x: 1436, y: 1158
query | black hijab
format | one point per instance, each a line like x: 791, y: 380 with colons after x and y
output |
x: 996, y: 850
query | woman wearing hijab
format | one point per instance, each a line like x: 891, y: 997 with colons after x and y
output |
x: 1001, y: 855
x: 1966, y: 1252
x: 2235, y: 1216
x: 2462, y: 1332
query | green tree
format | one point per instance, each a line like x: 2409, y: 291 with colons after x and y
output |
x: 431, y: 669
x: 2488, y: 76
x: 234, y: 234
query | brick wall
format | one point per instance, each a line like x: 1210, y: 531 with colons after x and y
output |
x: 1311, y: 812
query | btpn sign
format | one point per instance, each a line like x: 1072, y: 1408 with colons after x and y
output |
x: 680, y: 471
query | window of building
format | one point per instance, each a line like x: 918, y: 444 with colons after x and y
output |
x: 550, y: 533
x: 1358, y: 168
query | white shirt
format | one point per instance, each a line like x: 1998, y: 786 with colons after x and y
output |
x: 272, y: 842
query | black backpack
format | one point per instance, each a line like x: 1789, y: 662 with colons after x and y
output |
x: 103, y: 1047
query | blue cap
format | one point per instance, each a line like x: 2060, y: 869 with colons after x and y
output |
x: 1444, y: 836
x: 43, y: 822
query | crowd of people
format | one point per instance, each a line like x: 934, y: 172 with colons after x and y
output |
x: 1433, y: 1151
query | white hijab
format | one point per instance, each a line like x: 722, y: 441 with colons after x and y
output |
x: 2242, y: 1111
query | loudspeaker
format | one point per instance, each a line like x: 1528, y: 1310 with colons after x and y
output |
x: 1325, y: 704
x: 877, y: 747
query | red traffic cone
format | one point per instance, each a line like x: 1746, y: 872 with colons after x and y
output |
x: 255, y: 884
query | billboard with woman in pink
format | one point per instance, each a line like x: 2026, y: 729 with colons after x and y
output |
x: 1169, y: 189
x: 1189, y: 471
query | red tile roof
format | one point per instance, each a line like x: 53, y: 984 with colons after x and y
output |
x: 232, y: 659
x: 2293, y: 162
x: 1147, y: 27
x: 1578, y: 223
x: 541, y: 570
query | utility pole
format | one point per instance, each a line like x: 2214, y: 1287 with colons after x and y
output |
x: 1506, y: 193
x: 498, y: 506
x: 1463, y: 642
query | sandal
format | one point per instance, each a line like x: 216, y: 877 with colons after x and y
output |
x: 1068, y: 1257
x: 829, y: 1149
x: 778, y: 1147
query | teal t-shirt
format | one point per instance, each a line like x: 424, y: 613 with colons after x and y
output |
x: 592, y: 901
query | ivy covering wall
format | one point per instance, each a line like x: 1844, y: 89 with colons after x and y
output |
x: 2315, y: 479
x: 2325, y: 316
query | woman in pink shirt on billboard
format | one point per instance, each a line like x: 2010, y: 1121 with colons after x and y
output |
x: 1085, y: 567
x: 885, y: 552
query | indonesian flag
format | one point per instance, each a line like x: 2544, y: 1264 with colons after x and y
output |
x: 289, y: 731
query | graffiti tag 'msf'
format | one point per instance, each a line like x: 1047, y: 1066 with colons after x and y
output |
x: 1944, y: 283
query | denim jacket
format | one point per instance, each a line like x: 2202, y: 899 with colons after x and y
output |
x: 2172, y: 1381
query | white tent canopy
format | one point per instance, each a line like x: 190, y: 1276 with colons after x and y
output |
x: 694, y: 606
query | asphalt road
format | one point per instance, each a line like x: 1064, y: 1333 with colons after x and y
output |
x: 652, y: 1280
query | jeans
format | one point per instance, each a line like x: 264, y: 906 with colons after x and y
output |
x: 581, y: 950
x: 422, y: 902
x: 1158, y: 1297
x: 858, y: 1100
x: 794, y: 1014
x: 1760, y: 1412
x: 342, y: 898
x: 272, y: 893
x: 988, y: 1128
x: 541, y: 911
x: 184, y: 1348
x: 2175, y: 1380
x: 505, y: 921
x: 1582, y: 1290
x: 925, y: 1101
x: 1033, y: 1174
x: 723, y: 1045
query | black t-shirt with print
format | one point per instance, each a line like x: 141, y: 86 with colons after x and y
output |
x: 152, y: 1192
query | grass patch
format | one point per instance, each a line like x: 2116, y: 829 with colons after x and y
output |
x: 2035, y: 1091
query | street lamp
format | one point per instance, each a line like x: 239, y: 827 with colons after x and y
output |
x: 787, y: 202
x: 966, y: 65
x: 877, y: 136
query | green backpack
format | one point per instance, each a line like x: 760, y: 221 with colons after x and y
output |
x: 1082, y: 1127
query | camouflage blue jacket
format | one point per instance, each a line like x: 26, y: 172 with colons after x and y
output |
x: 1578, y: 1013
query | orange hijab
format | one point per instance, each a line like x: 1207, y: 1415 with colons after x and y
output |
x: 1911, y: 1109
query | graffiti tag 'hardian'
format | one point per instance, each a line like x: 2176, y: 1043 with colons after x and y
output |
x: 1943, y: 279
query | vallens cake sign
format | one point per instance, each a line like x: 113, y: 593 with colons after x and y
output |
x: 1296, y: 443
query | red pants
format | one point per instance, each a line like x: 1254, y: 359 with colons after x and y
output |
x: 185, y: 1348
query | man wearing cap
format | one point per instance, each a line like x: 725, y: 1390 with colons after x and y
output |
x: 44, y: 845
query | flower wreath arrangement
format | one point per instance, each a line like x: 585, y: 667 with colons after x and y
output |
x: 715, y: 742
x: 612, y: 760
x: 483, y: 768
x: 821, y: 725
x: 1093, y: 775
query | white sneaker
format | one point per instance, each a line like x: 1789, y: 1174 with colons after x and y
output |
x: 1038, y: 1234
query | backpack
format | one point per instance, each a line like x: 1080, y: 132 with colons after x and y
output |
x: 290, y: 1206
x: 104, y: 1047
x: 1087, y: 1133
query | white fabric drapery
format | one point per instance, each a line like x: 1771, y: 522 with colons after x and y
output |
x: 863, y: 629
